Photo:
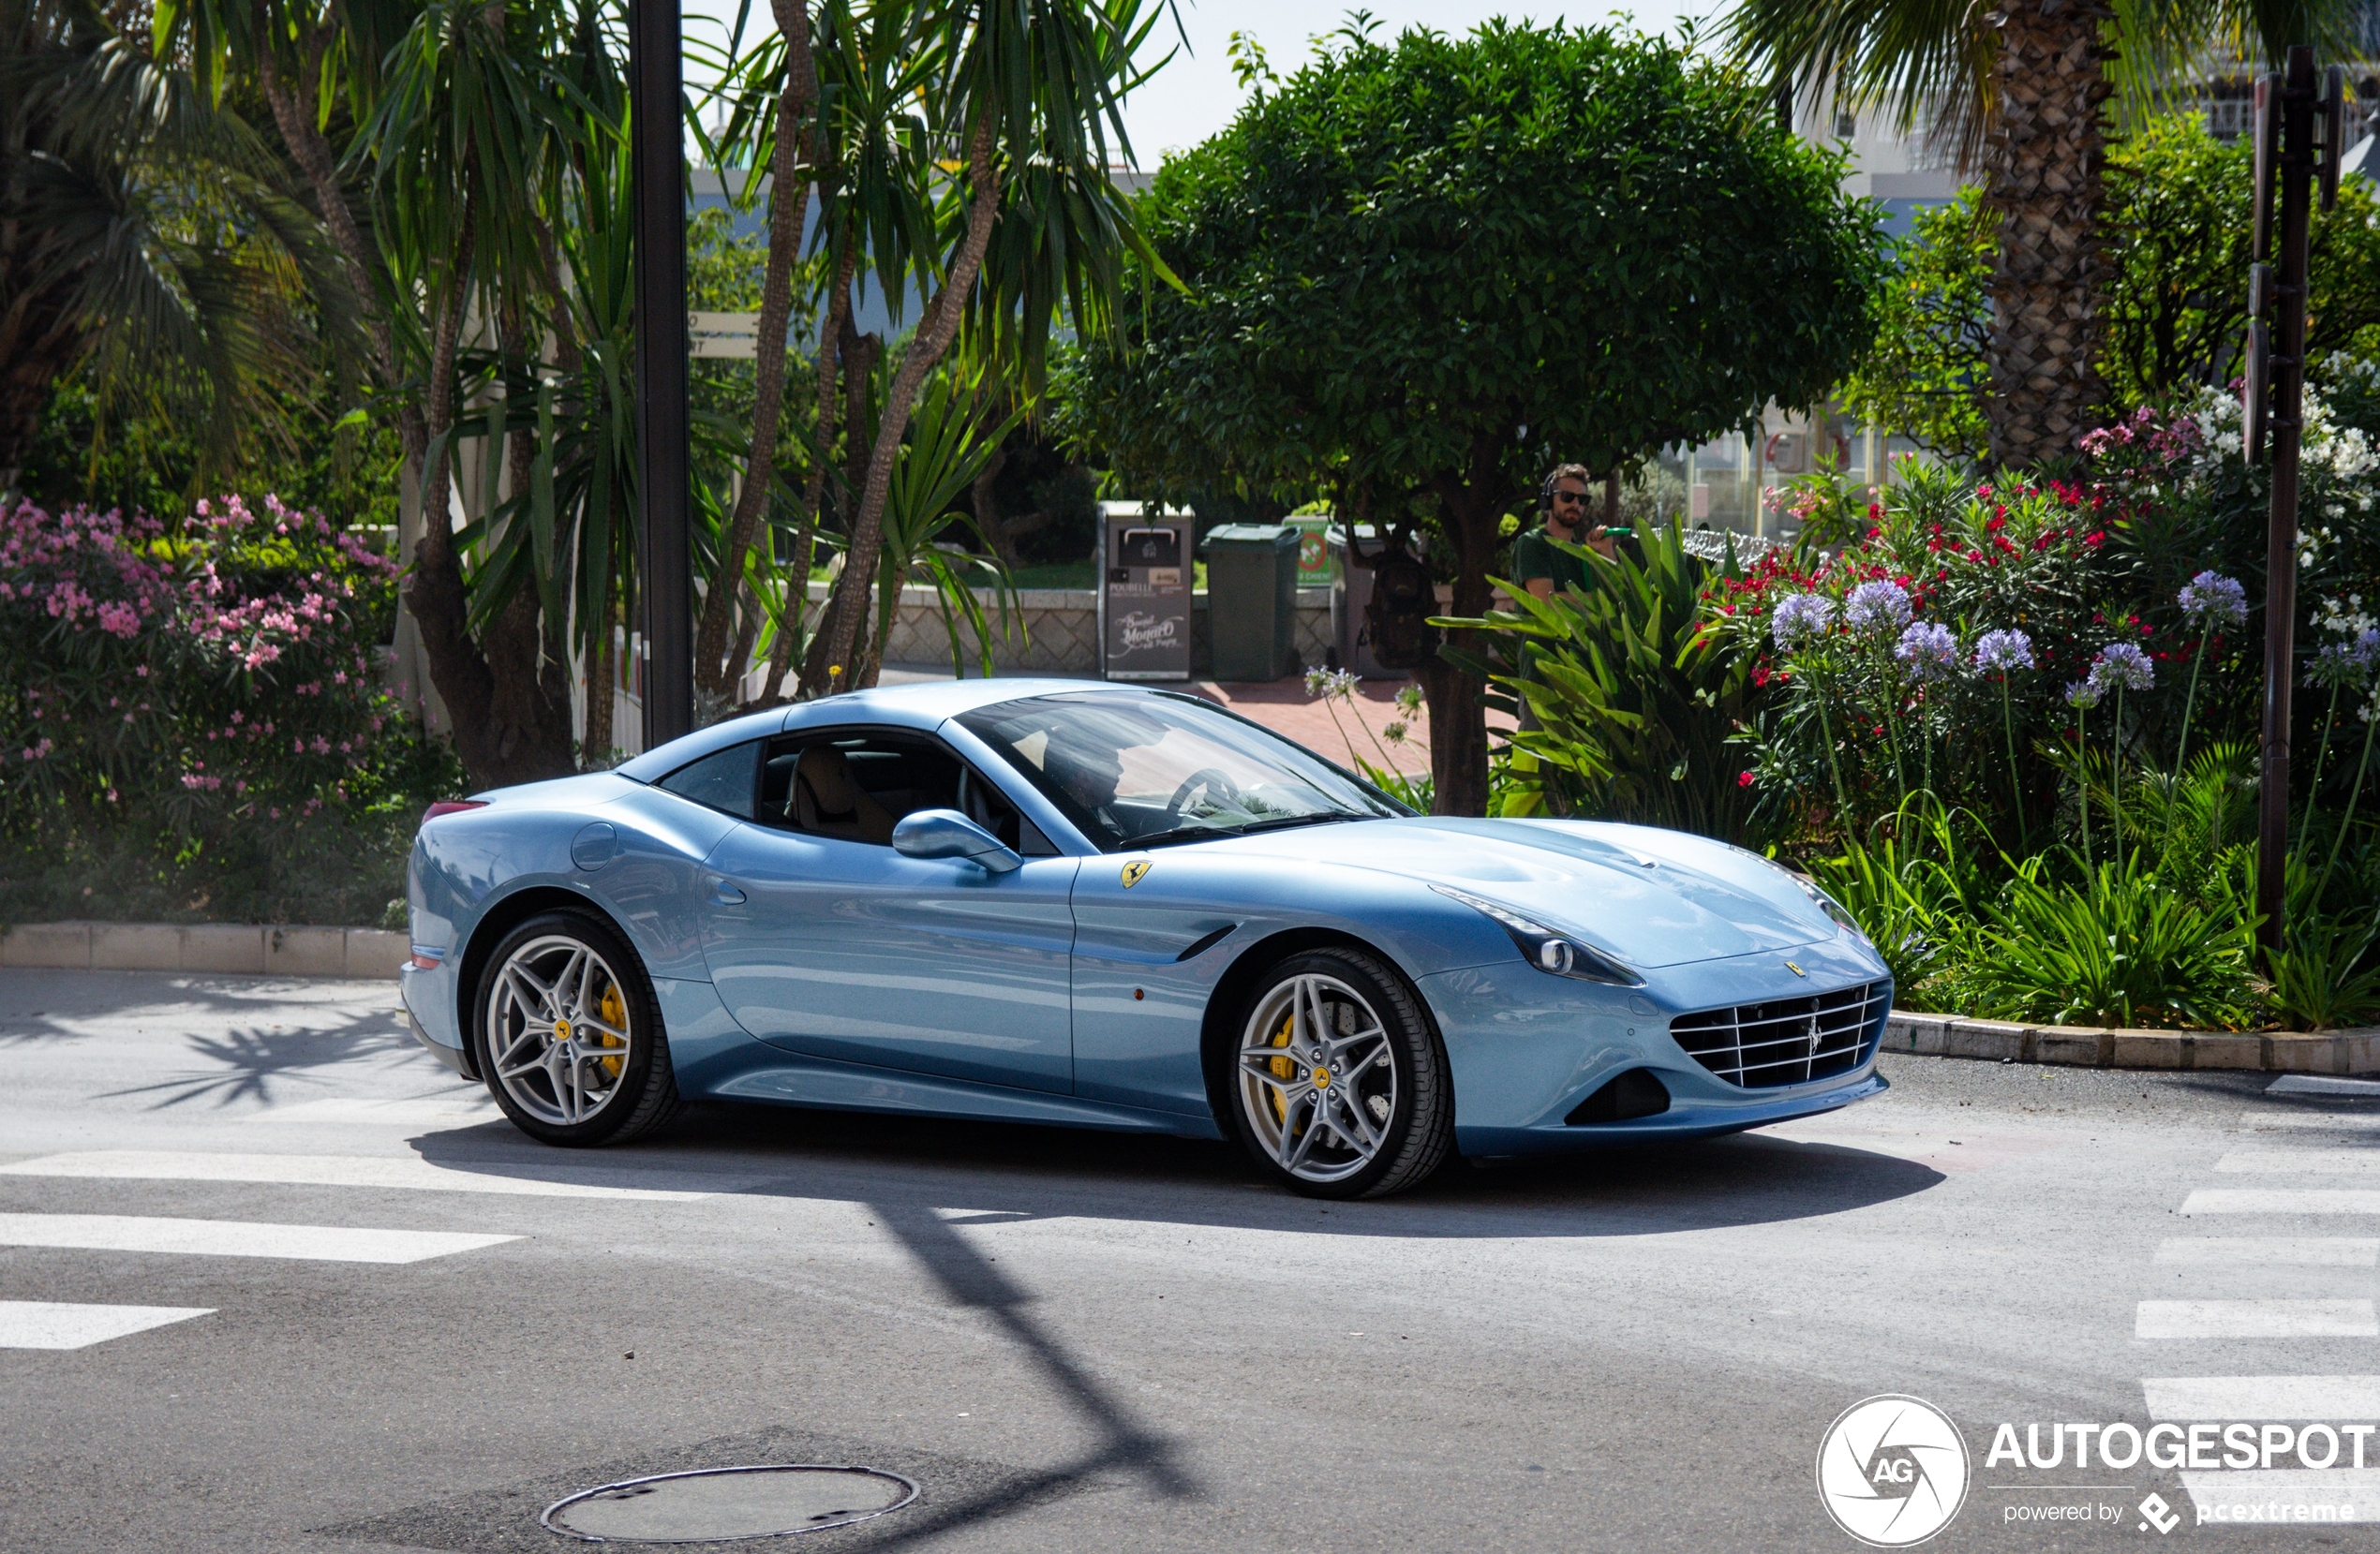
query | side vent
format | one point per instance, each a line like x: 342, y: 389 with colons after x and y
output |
x: 1630, y: 1095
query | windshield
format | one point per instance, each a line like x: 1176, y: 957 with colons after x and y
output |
x: 1144, y: 771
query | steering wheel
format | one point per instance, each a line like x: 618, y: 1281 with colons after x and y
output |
x: 1220, y: 787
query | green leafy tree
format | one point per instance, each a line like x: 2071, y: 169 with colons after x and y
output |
x: 2018, y: 91
x: 1926, y: 375
x: 2177, y: 301
x: 1423, y: 272
x: 150, y: 237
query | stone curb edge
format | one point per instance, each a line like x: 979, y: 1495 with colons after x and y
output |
x: 2334, y: 1052
x: 239, y: 949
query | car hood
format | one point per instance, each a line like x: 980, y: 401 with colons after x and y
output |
x: 1648, y: 896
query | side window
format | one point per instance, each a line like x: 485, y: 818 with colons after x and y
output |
x: 858, y: 785
x: 720, y: 781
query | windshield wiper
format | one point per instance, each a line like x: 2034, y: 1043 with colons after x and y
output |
x: 1206, y: 833
x: 1322, y: 817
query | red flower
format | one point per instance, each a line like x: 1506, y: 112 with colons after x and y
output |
x: 1744, y: 780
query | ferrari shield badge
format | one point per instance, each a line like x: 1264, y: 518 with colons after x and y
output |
x: 1796, y: 969
x: 1133, y: 872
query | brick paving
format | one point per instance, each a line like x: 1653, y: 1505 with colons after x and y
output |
x: 1359, y: 728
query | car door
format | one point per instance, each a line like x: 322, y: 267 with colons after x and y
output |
x: 824, y: 940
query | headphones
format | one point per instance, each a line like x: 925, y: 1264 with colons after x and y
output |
x: 1545, y: 493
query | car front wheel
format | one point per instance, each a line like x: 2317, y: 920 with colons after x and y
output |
x: 569, y: 1034
x: 1341, y: 1086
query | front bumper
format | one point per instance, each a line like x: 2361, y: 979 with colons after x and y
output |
x: 1526, y: 1048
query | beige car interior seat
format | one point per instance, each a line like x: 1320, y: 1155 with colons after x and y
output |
x: 827, y: 801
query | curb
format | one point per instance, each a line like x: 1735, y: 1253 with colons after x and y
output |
x: 238, y: 949
x: 2355, y: 1051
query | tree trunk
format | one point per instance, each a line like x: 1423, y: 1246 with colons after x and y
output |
x: 715, y: 669
x: 860, y: 355
x: 595, y: 749
x: 830, y: 366
x: 1469, y: 510
x: 2045, y: 153
x: 505, y: 726
x: 938, y: 328
x: 507, y: 706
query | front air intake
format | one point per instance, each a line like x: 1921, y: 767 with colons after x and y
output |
x: 1636, y: 1093
x: 1787, y: 1041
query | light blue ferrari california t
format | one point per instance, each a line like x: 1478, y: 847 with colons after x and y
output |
x: 1111, y: 906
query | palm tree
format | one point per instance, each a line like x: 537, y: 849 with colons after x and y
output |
x: 148, y: 236
x: 1018, y: 118
x: 2018, y: 92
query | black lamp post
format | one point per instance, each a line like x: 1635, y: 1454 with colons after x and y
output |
x: 2297, y: 129
x: 664, y: 557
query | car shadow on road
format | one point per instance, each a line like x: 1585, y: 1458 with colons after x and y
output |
x: 1022, y: 1171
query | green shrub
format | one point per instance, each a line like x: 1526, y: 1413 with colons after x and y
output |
x: 1636, y: 718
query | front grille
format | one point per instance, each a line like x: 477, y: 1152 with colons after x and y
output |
x: 1786, y: 1040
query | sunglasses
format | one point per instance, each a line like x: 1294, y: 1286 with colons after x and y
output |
x: 1569, y: 495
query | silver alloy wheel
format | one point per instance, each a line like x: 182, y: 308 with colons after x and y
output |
x: 1316, y: 1080
x: 558, y: 1030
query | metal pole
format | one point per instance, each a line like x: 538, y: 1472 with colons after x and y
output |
x: 2295, y: 196
x: 665, y: 555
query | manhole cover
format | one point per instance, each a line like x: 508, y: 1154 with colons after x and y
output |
x: 710, y: 1504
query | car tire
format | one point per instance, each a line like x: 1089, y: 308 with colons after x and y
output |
x: 1337, y: 1082
x: 555, y: 999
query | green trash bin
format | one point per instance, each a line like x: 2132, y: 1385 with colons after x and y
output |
x: 1251, y: 600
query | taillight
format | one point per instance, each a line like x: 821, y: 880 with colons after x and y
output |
x: 451, y: 806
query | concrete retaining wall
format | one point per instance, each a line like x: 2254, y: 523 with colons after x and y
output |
x: 233, y: 948
x: 1063, y: 628
x: 2088, y: 1047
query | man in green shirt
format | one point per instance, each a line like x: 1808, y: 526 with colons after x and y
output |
x: 1537, y: 565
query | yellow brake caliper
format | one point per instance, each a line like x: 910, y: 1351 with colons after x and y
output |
x: 1283, y: 1068
x: 615, y: 1015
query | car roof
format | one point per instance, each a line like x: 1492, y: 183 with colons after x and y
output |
x: 925, y: 705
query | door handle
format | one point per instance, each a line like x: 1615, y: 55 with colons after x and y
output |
x: 725, y: 894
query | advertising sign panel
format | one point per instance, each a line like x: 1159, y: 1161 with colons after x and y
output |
x: 1144, y: 596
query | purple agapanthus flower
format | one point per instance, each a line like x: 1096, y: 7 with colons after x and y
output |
x: 2348, y: 663
x: 1998, y: 652
x: 2213, y: 599
x: 2122, y: 666
x: 1880, y: 605
x: 1799, y: 618
x: 2085, y: 692
x: 1927, y: 650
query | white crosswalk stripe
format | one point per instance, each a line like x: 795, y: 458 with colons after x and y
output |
x: 2263, y: 1397
x: 2256, y: 1319
x: 2333, y: 1122
x: 422, y: 1111
x: 406, y: 1172
x: 235, y: 1238
x: 2319, y: 1252
x: 2331, y: 1404
x: 68, y: 1325
x: 2324, y: 1163
x: 2276, y: 1200
x: 57, y: 1325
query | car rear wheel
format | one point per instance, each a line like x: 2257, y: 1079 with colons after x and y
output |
x: 569, y: 1034
x: 1341, y: 1086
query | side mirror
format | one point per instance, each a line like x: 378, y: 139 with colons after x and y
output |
x: 948, y: 834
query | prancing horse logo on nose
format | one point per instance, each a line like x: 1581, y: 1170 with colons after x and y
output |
x: 1789, y: 965
x: 1133, y: 872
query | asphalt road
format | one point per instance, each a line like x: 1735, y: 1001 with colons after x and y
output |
x: 1072, y: 1341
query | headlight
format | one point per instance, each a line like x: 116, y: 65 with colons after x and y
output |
x: 1828, y: 905
x: 1556, y: 954
x: 1808, y: 887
